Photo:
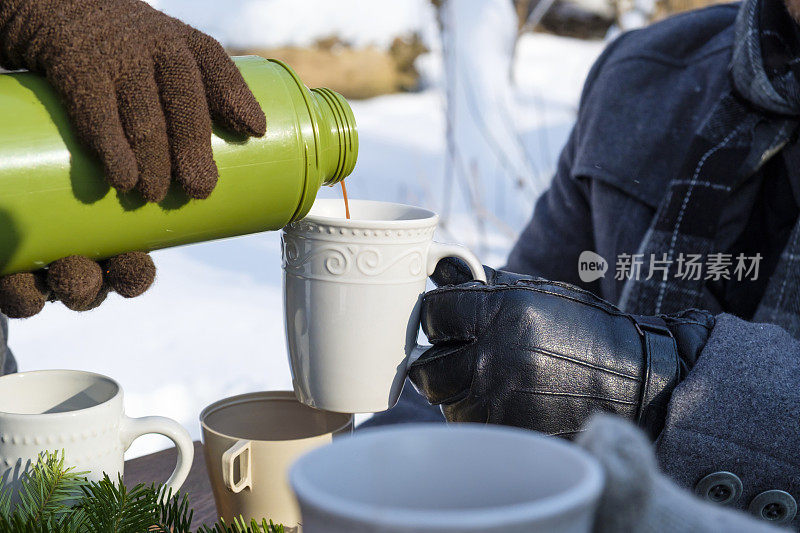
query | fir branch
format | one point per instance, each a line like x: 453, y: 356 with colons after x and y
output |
x: 56, y: 499
x: 5, y: 501
x: 49, y: 489
x: 17, y: 523
x: 112, y: 508
x: 174, y: 514
x: 240, y: 526
x: 271, y: 528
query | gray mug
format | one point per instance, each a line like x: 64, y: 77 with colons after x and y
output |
x: 456, y: 478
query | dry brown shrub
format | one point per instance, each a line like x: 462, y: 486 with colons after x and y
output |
x: 353, y: 72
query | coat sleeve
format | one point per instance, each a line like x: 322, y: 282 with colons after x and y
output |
x: 561, y: 226
x: 736, y: 416
x: 638, y: 497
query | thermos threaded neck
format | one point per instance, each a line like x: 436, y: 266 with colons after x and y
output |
x: 345, y: 129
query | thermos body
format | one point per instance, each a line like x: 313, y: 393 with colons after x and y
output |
x: 54, y: 201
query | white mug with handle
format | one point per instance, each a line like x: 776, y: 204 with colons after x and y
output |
x: 81, y: 414
x: 352, y: 293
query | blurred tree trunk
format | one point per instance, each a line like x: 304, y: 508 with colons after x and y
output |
x: 524, y: 9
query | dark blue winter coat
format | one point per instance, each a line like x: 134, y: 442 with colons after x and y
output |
x: 738, y: 411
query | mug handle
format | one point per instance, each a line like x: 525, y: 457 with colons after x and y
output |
x: 133, y: 428
x: 437, y: 252
x: 243, y: 450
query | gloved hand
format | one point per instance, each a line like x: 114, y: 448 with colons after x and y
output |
x: 140, y: 87
x: 78, y: 282
x: 545, y: 355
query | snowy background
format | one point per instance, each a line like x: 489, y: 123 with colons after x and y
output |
x: 175, y: 350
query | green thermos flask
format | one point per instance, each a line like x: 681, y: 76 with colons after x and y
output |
x: 54, y: 201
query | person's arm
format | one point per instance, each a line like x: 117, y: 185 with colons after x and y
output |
x: 560, y: 228
x: 546, y: 355
x: 562, y: 224
x: 737, y: 413
x: 720, y: 395
x: 546, y: 336
x: 141, y: 89
x: 637, y: 496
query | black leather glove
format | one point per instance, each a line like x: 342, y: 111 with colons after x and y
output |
x: 545, y: 355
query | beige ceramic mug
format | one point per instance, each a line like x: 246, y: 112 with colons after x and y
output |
x: 251, y: 440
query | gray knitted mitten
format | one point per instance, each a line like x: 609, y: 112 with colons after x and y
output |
x: 638, y: 498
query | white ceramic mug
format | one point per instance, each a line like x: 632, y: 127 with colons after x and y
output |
x: 455, y: 478
x: 352, y: 293
x: 82, y: 414
x: 249, y: 443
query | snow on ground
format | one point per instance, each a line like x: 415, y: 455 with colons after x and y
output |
x: 212, y: 325
x: 270, y: 23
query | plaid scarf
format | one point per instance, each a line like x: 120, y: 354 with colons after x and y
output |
x: 750, y: 123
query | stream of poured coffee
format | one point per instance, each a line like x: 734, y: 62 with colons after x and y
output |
x: 346, y: 205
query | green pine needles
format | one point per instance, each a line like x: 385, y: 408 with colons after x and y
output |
x: 53, y: 498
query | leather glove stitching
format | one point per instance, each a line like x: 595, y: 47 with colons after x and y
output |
x: 609, y: 309
x: 456, y: 397
x: 686, y: 322
x: 646, y: 384
x: 567, y: 286
x: 565, y: 433
x: 577, y: 395
x: 680, y: 321
x: 443, y: 350
x: 579, y: 362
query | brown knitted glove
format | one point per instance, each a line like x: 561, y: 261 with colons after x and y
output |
x: 78, y: 282
x: 141, y: 87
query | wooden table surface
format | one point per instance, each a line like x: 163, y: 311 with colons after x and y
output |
x: 157, y: 467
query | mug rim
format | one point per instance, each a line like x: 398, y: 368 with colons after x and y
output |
x: 64, y: 414
x: 586, y: 492
x: 275, y: 395
x: 430, y: 218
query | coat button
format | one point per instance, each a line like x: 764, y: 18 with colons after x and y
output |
x: 723, y: 488
x: 775, y: 506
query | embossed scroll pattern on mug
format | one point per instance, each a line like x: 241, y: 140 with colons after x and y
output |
x: 364, y: 261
